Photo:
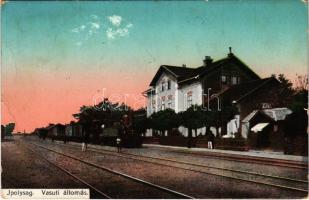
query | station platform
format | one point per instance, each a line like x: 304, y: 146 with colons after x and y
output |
x: 268, y: 156
x: 251, y: 153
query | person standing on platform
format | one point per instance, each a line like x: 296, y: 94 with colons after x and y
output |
x: 118, y: 142
x: 211, y: 139
x: 84, y: 144
x: 85, y: 139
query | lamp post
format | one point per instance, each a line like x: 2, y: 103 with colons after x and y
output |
x: 102, y: 126
x: 101, y: 138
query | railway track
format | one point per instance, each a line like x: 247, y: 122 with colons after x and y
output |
x: 92, y: 188
x: 259, y: 178
x: 170, y: 192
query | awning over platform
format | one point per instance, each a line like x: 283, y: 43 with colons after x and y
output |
x: 277, y: 114
x: 259, y: 127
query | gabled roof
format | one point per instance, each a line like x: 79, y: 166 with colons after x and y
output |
x: 274, y: 114
x: 178, y: 72
x: 241, y: 91
x: 255, y: 113
x: 231, y: 58
x: 184, y: 74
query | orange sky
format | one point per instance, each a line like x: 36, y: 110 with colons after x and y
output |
x: 34, y: 100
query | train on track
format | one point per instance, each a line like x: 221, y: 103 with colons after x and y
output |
x: 98, y: 132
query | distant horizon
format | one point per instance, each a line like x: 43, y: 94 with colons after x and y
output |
x: 60, y: 55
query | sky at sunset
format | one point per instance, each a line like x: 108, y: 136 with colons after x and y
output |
x: 58, y: 56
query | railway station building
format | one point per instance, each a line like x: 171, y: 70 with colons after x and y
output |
x: 229, y: 79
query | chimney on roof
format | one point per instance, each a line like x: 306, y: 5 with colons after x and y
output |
x: 207, y: 61
x: 230, y: 52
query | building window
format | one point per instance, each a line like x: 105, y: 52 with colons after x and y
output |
x: 189, y: 99
x: 223, y: 79
x: 170, y: 100
x: 169, y: 84
x: 162, y: 86
x: 163, y: 103
x: 234, y: 80
x: 163, y: 106
x: 169, y: 104
x: 154, y: 105
x: 228, y: 79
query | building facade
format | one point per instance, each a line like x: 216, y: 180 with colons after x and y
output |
x: 227, y: 79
